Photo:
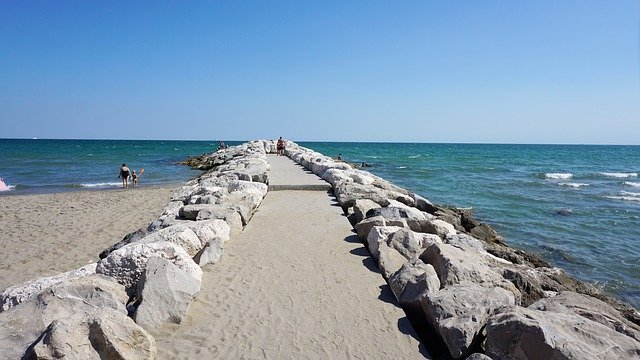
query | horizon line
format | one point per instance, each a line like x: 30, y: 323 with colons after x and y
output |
x: 338, y: 141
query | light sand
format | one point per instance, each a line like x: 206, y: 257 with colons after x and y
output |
x: 295, y: 284
x: 42, y: 235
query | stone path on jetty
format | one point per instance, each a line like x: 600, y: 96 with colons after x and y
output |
x: 296, y: 283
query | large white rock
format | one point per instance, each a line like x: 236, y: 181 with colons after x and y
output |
x: 128, y: 264
x: 439, y: 227
x: 459, y: 312
x: 454, y: 265
x: 78, y: 318
x: 165, y: 293
x: 361, y: 206
x: 521, y: 333
x: 17, y: 294
x: 180, y: 235
x: 335, y: 176
x: 209, y: 230
x: 109, y: 335
x: 248, y: 186
x: 413, y: 281
x: 364, y: 227
x: 590, y: 308
x: 378, y: 235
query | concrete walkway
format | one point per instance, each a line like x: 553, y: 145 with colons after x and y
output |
x: 295, y: 284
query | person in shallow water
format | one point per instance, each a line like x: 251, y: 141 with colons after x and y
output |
x: 3, y: 186
x: 134, y: 178
x: 124, y: 174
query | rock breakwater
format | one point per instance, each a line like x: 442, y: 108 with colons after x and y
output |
x: 110, y: 309
x: 474, y: 296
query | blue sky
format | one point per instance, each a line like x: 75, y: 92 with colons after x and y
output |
x: 408, y: 71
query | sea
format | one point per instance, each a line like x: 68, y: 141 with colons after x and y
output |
x: 577, y: 206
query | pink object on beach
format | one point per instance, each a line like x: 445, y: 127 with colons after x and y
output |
x: 3, y: 186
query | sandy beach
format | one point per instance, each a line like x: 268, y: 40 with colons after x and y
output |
x: 46, y: 234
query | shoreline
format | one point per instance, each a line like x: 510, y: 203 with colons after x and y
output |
x: 45, y: 234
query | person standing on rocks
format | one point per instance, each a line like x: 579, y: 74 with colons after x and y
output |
x: 280, y: 146
x: 124, y: 173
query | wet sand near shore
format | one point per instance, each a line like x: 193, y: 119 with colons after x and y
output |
x: 47, y: 234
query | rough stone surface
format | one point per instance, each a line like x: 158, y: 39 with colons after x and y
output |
x: 17, y: 294
x: 389, y: 260
x: 590, y: 308
x: 211, y: 253
x: 521, y: 333
x: 210, y: 230
x: 362, y: 206
x: 128, y: 239
x: 378, y: 235
x: 438, y: 227
x: 180, y: 235
x: 407, y: 243
x: 466, y: 242
x: 214, y: 211
x: 72, y: 304
x: 128, y: 264
x: 348, y: 192
x: 109, y: 335
x: 164, y: 294
x: 478, y: 356
x: 454, y: 265
x: 458, y: 313
x: 412, y: 281
x: 364, y: 227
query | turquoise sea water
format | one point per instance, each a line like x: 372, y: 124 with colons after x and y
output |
x: 578, y: 206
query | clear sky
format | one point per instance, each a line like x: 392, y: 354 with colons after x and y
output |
x: 410, y: 71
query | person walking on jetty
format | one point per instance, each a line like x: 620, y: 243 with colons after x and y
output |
x: 124, y: 174
x: 280, y: 146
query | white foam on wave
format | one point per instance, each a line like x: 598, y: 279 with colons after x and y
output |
x: 619, y: 175
x: 94, y: 185
x: 7, y: 188
x: 629, y: 193
x: 414, y: 156
x: 625, y: 198
x: 632, y: 184
x: 574, y: 185
x: 558, y: 176
x: 402, y: 167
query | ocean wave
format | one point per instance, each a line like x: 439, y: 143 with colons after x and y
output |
x: 618, y: 175
x: 558, y: 176
x: 632, y: 184
x: 625, y: 198
x: 573, y: 185
x: 414, y: 156
x: 94, y: 185
x: 402, y: 167
x: 629, y: 193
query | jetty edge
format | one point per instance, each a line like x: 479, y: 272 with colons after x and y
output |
x: 474, y: 294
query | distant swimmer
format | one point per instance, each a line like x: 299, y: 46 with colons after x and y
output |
x: 3, y: 186
x: 564, y: 211
x: 124, y: 174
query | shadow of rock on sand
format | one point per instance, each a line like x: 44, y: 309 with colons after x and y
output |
x: 353, y: 239
x: 361, y: 251
x: 387, y: 296
x: 405, y: 327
